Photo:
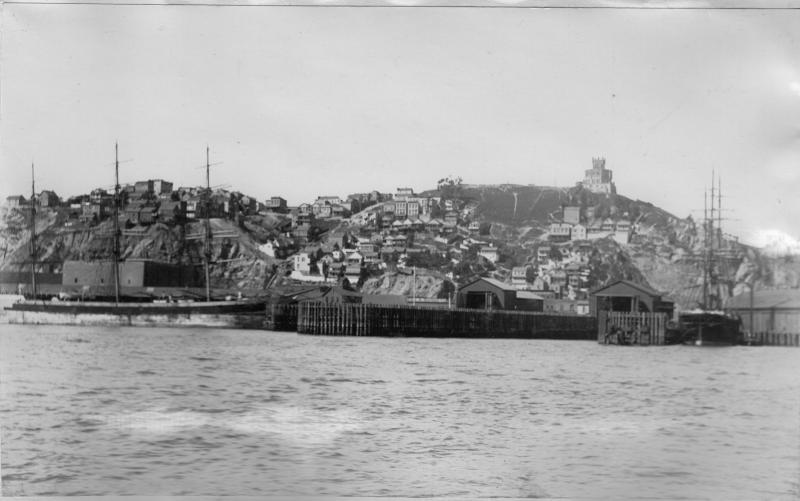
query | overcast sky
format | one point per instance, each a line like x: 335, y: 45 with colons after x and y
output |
x: 304, y: 101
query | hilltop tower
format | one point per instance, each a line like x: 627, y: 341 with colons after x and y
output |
x: 598, y: 179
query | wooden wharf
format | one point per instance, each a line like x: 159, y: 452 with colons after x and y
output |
x: 352, y: 319
x: 356, y: 319
x: 639, y: 328
x: 771, y: 339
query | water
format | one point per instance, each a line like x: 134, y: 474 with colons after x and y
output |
x: 207, y: 412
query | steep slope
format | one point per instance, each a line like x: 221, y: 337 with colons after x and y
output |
x: 237, y: 262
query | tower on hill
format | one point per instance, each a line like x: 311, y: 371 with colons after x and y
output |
x: 598, y: 179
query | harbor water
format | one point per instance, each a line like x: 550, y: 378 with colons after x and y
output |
x: 102, y: 411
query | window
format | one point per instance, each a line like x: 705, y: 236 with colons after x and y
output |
x: 76, y: 280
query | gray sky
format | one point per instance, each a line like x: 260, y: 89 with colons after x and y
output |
x: 303, y: 101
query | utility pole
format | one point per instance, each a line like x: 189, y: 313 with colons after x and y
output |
x: 705, y: 249
x: 116, y: 224
x: 414, y: 292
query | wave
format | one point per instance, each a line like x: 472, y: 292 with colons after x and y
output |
x: 299, y: 425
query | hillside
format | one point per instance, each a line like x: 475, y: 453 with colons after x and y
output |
x: 664, y: 251
x: 238, y: 262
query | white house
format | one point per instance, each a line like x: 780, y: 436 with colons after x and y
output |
x: 579, y: 232
x: 302, y: 263
x: 489, y: 252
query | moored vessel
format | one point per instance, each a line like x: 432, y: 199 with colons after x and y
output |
x: 118, y: 309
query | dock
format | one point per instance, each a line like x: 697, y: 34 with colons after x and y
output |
x: 345, y: 319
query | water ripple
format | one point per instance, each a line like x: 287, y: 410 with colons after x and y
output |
x: 213, y: 412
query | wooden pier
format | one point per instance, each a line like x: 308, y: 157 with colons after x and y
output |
x: 771, y: 339
x: 631, y: 328
x: 281, y: 317
x: 379, y: 320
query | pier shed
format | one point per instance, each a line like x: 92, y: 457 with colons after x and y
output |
x: 627, y: 296
x: 491, y: 294
x: 768, y: 310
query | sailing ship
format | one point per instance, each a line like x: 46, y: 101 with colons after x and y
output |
x: 239, y: 313
x: 708, y: 324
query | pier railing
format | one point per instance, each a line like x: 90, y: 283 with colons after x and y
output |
x: 617, y: 327
x: 380, y: 320
x: 771, y: 339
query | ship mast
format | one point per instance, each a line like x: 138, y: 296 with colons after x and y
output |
x: 33, y: 233
x: 207, y: 240
x: 116, y: 223
x: 705, y: 250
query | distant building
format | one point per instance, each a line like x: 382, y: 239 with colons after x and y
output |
x: 572, y: 214
x: 132, y: 273
x: 598, y: 179
x: 489, y: 252
x: 170, y: 210
x: 141, y: 187
x: 578, y: 232
x: 543, y: 254
x: 519, y: 276
x: 15, y: 201
x: 302, y: 263
x: 566, y: 306
x: 48, y: 198
x: 559, y: 232
x: 329, y: 199
x: 404, y: 194
x: 276, y: 204
x: 161, y: 187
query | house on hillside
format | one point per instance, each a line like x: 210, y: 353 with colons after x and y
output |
x: 48, y: 199
x: 170, y: 210
x: 404, y: 193
x: 519, y: 276
x: 566, y: 306
x: 302, y: 263
x: 559, y: 232
x: 142, y: 187
x: 489, y: 252
x: 571, y: 214
x: 543, y: 254
x: 15, y: 201
x: 578, y: 232
x: 276, y: 204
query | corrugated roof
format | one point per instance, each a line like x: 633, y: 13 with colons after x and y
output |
x: 781, y: 298
x: 499, y: 284
x: 641, y: 287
